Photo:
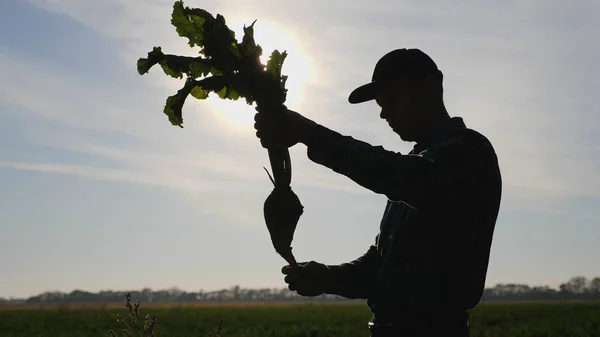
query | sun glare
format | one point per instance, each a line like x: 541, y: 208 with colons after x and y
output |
x: 297, y: 66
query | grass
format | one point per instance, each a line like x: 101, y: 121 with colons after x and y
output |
x: 547, y: 319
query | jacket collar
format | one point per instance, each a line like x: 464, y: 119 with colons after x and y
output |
x: 438, y: 132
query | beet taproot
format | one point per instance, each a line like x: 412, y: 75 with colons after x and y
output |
x: 282, y: 210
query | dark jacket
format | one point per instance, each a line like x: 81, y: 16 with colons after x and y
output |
x: 434, y: 240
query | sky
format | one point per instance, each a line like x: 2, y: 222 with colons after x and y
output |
x: 99, y: 191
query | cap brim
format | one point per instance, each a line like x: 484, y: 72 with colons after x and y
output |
x: 363, y: 93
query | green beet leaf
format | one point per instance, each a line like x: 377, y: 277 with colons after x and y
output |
x: 174, y: 65
x: 199, y: 92
x: 189, y: 26
x: 175, y: 102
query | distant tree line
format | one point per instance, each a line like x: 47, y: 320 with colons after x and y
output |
x: 577, y: 288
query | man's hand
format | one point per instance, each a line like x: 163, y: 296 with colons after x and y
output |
x: 309, y: 278
x: 283, y: 129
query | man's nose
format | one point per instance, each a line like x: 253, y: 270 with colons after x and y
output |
x: 382, y: 114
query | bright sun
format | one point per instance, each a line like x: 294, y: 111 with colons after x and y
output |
x: 297, y: 66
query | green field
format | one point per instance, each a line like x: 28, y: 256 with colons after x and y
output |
x: 314, y: 320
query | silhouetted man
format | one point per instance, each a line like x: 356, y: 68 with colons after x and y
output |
x: 428, y: 264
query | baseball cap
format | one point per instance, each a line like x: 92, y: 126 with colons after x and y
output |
x: 396, y: 64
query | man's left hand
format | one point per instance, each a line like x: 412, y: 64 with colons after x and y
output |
x: 283, y: 129
x: 310, y: 278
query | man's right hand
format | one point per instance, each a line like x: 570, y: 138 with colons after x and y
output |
x: 309, y: 278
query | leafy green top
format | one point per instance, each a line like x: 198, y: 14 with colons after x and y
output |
x: 235, y: 67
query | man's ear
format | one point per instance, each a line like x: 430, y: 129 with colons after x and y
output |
x: 401, y: 85
x: 429, y: 82
x: 430, y: 85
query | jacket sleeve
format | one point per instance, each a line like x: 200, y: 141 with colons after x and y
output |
x: 419, y: 180
x: 353, y: 279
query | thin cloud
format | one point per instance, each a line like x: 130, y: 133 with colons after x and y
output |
x: 85, y: 171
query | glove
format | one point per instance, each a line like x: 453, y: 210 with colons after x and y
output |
x: 310, y: 278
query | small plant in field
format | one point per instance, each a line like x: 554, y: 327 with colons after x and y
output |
x: 216, y: 332
x: 149, y: 328
x: 132, y: 322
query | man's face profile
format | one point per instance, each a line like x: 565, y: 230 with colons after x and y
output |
x: 396, y: 99
x: 406, y: 104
